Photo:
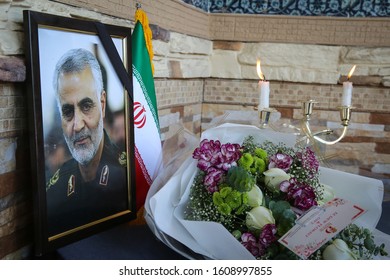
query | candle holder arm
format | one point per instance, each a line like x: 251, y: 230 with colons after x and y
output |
x: 306, y: 129
x: 345, y: 116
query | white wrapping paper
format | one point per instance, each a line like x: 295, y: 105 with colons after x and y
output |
x: 168, y: 197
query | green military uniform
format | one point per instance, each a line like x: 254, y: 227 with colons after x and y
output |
x: 71, y: 202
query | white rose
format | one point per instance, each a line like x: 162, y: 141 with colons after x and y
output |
x: 274, y: 176
x: 258, y: 217
x: 327, y: 194
x: 338, y: 250
x: 255, y: 197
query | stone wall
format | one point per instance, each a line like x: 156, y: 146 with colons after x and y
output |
x: 205, y: 69
x: 249, y: 28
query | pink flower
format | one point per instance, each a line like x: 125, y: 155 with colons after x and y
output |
x: 280, y: 161
x: 215, y: 159
x: 302, y: 196
x: 231, y: 152
x: 207, y: 154
x: 268, y: 235
x: 212, y: 179
x: 284, y: 186
x: 248, y: 240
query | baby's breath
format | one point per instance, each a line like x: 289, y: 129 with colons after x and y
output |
x: 202, y: 208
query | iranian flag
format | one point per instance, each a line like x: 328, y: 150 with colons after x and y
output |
x: 148, y: 148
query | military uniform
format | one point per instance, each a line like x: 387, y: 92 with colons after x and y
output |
x: 71, y: 202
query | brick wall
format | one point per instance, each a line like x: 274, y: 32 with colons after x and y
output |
x: 179, y: 101
x: 365, y: 149
x: 194, y: 102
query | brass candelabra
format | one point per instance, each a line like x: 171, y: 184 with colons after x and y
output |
x: 307, y: 108
x: 264, y: 116
x: 305, y: 129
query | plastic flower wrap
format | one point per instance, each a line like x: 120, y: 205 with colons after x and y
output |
x: 240, y: 190
x: 286, y: 179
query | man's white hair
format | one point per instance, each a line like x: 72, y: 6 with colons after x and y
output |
x: 76, y: 61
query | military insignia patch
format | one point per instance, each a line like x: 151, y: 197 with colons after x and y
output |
x: 71, y: 185
x: 104, y: 176
x: 123, y: 159
x: 53, y: 179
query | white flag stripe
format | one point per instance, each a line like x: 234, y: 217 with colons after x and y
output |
x: 147, y: 145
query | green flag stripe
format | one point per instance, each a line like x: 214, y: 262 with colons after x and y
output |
x: 142, y: 69
x: 137, y: 75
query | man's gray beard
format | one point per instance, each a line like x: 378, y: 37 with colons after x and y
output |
x: 84, y: 155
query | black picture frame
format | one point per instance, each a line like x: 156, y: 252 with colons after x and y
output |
x: 56, y: 177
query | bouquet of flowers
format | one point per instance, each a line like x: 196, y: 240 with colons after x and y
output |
x: 258, y: 191
x: 235, y: 192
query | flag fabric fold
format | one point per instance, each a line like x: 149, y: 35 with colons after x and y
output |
x: 148, y: 148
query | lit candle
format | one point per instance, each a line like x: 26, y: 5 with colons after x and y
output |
x: 264, y: 89
x: 347, y: 90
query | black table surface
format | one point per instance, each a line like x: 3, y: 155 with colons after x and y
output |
x: 137, y: 242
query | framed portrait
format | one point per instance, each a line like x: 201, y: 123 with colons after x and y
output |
x: 81, y: 128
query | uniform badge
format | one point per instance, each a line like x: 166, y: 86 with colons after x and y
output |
x: 71, y: 185
x: 104, y: 176
x: 123, y: 159
x: 53, y: 179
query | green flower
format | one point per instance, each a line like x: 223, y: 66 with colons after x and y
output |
x: 225, y: 191
x: 233, y: 199
x: 224, y: 208
x: 260, y: 153
x: 227, y: 200
x: 246, y: 161
x: 258, y: 166
x: 217, y: 198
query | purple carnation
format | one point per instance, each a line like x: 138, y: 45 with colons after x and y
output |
x: 285, y: 185
x: 248, y: 240
x: 281, y: 161
x: 212, y: 179
x: 228, y: 156
x: 207, y: 154
x: 302, y: 196
x: 215, y: 159
x: 268, y: 235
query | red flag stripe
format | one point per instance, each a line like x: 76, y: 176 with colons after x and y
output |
x: 142, y: 180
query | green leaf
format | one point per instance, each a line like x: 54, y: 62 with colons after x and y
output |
x: 286, y: 221
x: 278, y: 208
x: 369, y: 244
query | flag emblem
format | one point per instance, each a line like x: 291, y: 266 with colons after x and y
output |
x: 139, y: 115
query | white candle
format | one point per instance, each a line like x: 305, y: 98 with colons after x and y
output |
x: 347, y: 89
x: 264, y: 95
x: 264, y: 88
x: 347, y: 94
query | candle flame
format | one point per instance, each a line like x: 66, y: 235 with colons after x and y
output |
x: 351, y: 72
x: 259, y: 73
